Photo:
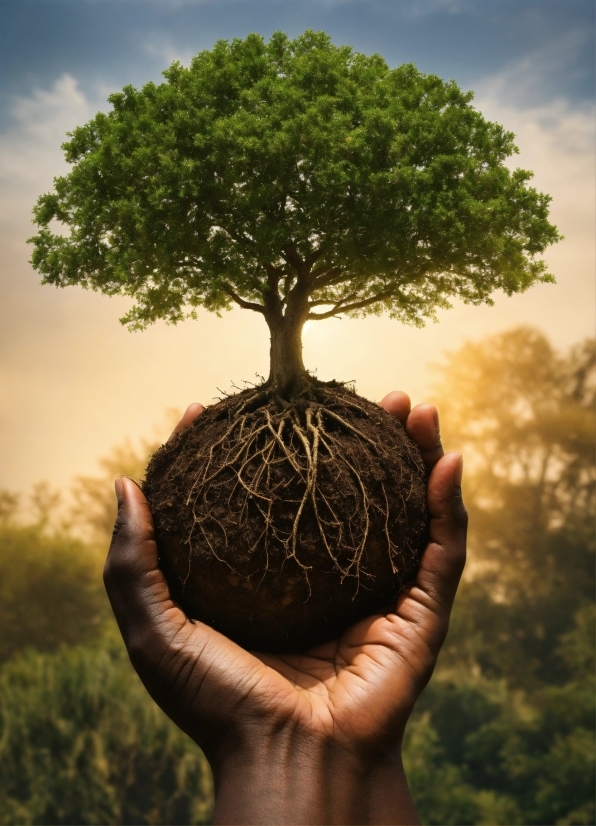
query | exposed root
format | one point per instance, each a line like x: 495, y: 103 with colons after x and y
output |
x: 280, y: 478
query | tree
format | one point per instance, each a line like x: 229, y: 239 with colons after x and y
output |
x: 481, y: 751
x: 296, y: 179
x: 523, y: 415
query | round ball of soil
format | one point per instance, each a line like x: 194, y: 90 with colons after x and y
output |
x: 282, y: 525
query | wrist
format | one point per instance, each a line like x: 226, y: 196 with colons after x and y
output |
x: 293, y: 778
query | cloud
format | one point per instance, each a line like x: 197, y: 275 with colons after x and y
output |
x: 424, y: 8
x: 555, y: 138
x: 411, y: 8
x: 30, y: 154
x: 165, y: 52
x: 30, y: 158
x: 527, y: 82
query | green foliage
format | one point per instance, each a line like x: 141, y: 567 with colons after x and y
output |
x: 505, y: 732
x: 51, y: 592
x: 265, y: 163
x: 82, y: 742
x: 478, y: 751
x: 442, y: 793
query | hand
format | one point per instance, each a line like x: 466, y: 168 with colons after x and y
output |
x: 309, y: 738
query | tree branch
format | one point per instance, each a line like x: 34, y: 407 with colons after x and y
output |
x: 247, y: 305
x: 240, y: 238
x: 334, y: 275
x: 314, y: 256
x: 346, y: 308
x: 273, y: 304
x: 287, y: 285
x: 317, y: 302
x: 274, y: 275
x: 338, y: 306
x: 295, y: 260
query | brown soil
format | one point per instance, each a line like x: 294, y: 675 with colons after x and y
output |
x: 279, y: 524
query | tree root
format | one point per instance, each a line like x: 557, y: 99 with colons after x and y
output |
x: 282, y: 522
x: 282, y: 474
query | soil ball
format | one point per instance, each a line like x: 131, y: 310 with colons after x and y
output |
x: 282, y: 524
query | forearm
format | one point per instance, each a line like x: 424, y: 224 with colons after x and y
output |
x: 287, y: 782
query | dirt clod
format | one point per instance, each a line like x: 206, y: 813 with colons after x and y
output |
x: 282, y: 525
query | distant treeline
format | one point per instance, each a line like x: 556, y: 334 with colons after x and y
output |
x: 504, y: 734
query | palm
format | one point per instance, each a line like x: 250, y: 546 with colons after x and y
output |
x: 363, y: 685
x: 355, y: 682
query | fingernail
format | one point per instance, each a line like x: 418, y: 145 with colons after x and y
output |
x: 459, y: 471
x: 118, y: 488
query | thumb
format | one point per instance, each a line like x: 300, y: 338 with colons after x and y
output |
x: 136, y: 587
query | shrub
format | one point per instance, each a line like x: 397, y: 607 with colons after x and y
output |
x: 82, y: 742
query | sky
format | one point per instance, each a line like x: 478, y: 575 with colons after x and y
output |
x: 74, y: 382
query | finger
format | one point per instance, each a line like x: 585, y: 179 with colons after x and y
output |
x: 398, y: 404
x: 428, y: 602
x: 422, y: 427
x: 192, y: 411
x: 136, y: 587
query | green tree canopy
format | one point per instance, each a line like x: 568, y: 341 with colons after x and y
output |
x: 297, y: 179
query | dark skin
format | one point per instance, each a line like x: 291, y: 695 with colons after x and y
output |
x: 310, y: 738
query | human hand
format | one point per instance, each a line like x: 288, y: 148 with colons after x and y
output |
x: 304, y: 738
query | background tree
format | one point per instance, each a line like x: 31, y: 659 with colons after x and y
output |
x: 480, y: 750
x: 50, y: 583
x: 296, y: 179
x: 94, y: 507
x: 508, y: 720
x: 523, y: 414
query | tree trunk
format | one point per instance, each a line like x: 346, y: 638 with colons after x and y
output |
x: 287, y: 375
